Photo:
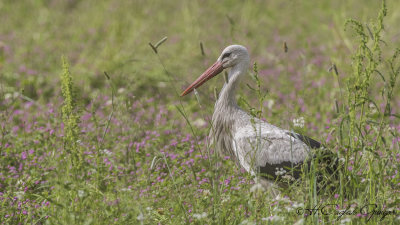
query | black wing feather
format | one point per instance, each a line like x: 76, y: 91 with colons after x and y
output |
x: 308, y: 141
x: 327, y: 158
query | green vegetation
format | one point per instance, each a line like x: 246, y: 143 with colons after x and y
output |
x: 102, y: 136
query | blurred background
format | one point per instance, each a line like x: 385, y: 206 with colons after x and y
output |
x: 113, y: 36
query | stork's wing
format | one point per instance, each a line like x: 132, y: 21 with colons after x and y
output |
x: 308, y: 141
x: 327, y: 159
x: 269, y: 149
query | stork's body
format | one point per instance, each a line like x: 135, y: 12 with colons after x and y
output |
x: 256, y: 145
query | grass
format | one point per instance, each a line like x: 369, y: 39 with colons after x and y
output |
x: 101, y: 136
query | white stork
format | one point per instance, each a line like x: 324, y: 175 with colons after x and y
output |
x: 256, y: 145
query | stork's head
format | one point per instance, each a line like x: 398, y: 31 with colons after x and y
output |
x: 231, y: 56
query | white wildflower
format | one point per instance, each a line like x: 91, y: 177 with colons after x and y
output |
x: 372, y: 108
x: 20, y: 182
x: 121, y: 90
x: 19, y: 194
x: 270, y: 103
x: 206, y: 192
x: 345, y: 221
x: 106, y: 152
x: 257, y: 187
x: 81, y: 193
x: 280, y: 171
x: 199, y: 122
x: 7, y: 96
x: 200, y: 215
x: 278, y: 198
x: 109, y: 102
x: 299, y: 122
x: 273, y: 218
x: 288, y: 177
x: 247, y: 222
x: 225, y: 198
x: 297, y: 205
x: 289, y: 208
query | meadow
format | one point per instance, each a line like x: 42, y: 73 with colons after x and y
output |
x: 93, y: 130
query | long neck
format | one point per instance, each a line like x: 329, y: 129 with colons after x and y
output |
x: 224, y: 113
x: 223, y: 119
x: 227, y: 96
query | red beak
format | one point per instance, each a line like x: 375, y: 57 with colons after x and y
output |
x: 211, y: 72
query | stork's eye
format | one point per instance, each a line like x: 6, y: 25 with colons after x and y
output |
x: 226, y: 55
